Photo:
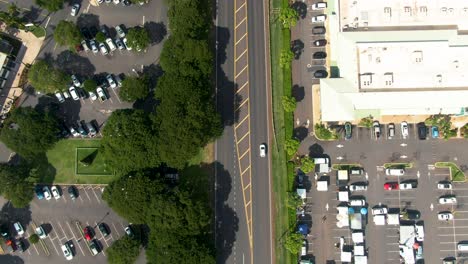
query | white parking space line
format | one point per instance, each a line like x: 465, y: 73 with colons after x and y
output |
x: 71, y: 230
x: 53, y: 244
x: 97, y: 198
x: 81, y: 249
x: 87, y: 195
x: 115, y: 228
x: 37, y: 251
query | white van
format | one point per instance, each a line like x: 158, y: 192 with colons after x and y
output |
x: 304, y: 248
x: 462, y: 246
x: 111, y: 44
x: 395, y: 172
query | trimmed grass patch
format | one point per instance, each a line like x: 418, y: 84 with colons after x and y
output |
x: 96, y: 167
x: 38, y: 31
x: 398, y: 165
x: 457, y: 174
x: 346, y: 166
x: 63, y: 159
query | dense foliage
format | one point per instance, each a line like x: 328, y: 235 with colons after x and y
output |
x: 90, y: 85
x: 50, y: 5
x: 17, y: 184
x: 178, y: 217
x: 138, y: 38
x: 45, y: 78
x: 11, y: 17
x: 29, y: 132
x: 67, y: 34
x: 134, y: 88
x: 123, y: 251
x: 129, y: 141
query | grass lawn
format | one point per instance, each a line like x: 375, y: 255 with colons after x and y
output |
x: 282, y: 172
x: 39, y: 32
x: 457, y: 174
x: 62, y: 159
x: 97, y: 167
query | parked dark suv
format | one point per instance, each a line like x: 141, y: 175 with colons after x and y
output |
x: 319, y: 55
x: 320, y: 74
x: 318, y: 30
x: 422, y: 131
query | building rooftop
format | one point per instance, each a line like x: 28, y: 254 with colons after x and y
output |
x: 412, y: 65
x: 404, y: 13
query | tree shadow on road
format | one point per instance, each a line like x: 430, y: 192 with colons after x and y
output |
x: 315, y: 150
x: 33, y: 14
x: 72, y: 63
x: 10, y: 259
x: 228, y: 99
x: 301, y: 9
x: 88, y: 20
x: 298, y: 92
x: 9, y: 214
x: 300, y: 133
x: 157, y: 31
x: 227, y: 222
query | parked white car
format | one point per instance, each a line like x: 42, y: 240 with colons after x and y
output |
x: 319, y: 6
x: 55, y: 192
x: 19, y: 228
x: 47, y: 193
x: 319, y: 18
x: 73, y: 93
x: 406, y: 186
x: 395, y: 172
x: 357, y: 202
x: 111, y: 81
x: 444, y: 185
x: 67, y: 252
x: 357, y: 187
x: 40, y: 232
x: 110, y: 44
x: 75, y: 81
x: 92, y: 96
x: 445, y: 216
x: 404, y: 129
x: 74, y: 10
x: 59, y: 97
x: 449, y: 199
x: 379, y: 211
x: 103, y: 49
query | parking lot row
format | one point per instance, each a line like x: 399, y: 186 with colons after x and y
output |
x: 85, y: 194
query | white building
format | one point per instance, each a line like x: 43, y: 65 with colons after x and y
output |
x: 397, y: 65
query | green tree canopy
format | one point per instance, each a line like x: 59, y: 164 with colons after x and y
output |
x: 16, y: 185
x: 288, y: 17
x: 123, y: 251
x: 286, y: 57
x: 29, y: 132
x: 307, y: 164
x: 291, y: 145
x: 67, y: 34
x: 138, y: 38
x: 100, y: 37
x: 293, y: 242
x: 289, y: 103
x: 134, y: 88
x: 187, y: 57
x: 129, y: 141
x: 33, y: 239
x: 168, y: 248
x: 189, y: 19
x: 90, y: 85
x: 294, y: 200
x: 186, y: 118
x: 11, y: 18
x: 50, y: 5
x: 47, y: 79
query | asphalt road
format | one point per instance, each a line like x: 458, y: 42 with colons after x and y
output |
x: 232, y: 201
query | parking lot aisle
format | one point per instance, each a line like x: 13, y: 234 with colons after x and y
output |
x: 116, y: 95
x: 116, y: 230
x: 74, y: 235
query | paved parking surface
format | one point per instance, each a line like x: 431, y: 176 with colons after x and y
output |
x: 62, y: 220
x: 382, y: 241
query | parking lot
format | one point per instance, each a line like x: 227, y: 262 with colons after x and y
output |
x: 382, y: 242
x: 63, y: 221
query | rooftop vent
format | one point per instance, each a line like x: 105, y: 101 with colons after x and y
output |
x: 417, y: 56
x: 388, y: 78
x: 366, y: 79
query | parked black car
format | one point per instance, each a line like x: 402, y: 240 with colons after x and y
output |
x: 422, y: 131
x: 103, y: 229
x: 318, y: 30
x: 320, y: 42
x: 72, y: 192
x: 319, y: 55
x: 320, y: 74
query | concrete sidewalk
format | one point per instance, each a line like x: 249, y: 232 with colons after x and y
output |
x: 31, y: 47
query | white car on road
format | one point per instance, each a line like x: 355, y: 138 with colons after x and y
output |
x: 319, y: 6
x: 74, y: 10
x: 406, y: 186
x: 67, y: 252
x: 73, y: 93
x: 19, y: 228
x: 358, y: 187
x: 449, y: 199
x: 445, y: 216
x: 262, y: 150
x: 55, y: 192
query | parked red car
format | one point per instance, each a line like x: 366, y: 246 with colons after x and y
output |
x: 88, y: 233
x: 391, y: 186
